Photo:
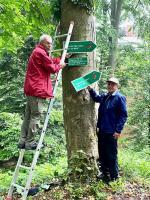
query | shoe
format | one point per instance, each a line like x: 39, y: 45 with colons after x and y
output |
x: 33, y: 191
x: 114, y: 178
x: 31, y: 146
x: 100, y: 176
x: 104, y: 177
x: 21, y: 145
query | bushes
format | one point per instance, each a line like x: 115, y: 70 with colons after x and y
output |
x: 9, y: 134
x: 10, y: 125
x: 135, y: 164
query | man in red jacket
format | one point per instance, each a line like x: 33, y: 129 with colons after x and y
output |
x: 37, y: 87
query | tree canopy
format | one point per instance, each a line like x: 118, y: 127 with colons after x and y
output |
x: 21, y: 24
x: 20, y: 19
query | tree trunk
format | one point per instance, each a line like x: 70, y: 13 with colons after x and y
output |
x: 115, y: 18
x: 79, y: 109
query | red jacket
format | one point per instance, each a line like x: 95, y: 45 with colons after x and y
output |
x: 40, y: 66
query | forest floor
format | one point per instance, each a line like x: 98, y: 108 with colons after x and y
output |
x: 125, y: 188
x: 132, y: 191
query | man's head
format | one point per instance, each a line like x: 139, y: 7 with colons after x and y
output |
x: 46, y: 41
x: 112, y: 84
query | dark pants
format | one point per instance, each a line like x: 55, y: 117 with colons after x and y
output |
x: 107, y: 147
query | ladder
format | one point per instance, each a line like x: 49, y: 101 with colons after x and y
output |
x: 30, y: 169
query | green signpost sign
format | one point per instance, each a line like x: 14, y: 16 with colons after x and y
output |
x: 80, y: 61
x: 81, y: 46
x: 82, y: 82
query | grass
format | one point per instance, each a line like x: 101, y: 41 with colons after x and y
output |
x: 43, y: 173
x: 134, y: 164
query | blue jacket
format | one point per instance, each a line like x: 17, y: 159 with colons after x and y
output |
x: 112, y: 112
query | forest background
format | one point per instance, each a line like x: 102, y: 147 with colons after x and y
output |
x: 21, y: 24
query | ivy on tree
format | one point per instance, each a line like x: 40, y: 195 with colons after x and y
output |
x: 87, y: 4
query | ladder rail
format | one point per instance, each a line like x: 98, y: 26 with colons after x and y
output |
x: 53, y: 43
x: 16, y: 172
x: 67, y: 41
x: 37, y: 152
x: 51, y: 102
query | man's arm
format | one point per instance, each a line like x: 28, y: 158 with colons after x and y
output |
x: 122, y: 118
x: 53, y: 65
x: 95, y: 96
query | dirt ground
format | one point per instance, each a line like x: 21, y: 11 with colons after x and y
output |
x: 133, y: 191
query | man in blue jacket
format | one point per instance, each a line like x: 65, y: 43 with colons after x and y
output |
x: 112, y: 115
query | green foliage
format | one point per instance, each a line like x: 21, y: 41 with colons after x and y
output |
x: 9, y: 134
x: 76, y: 190
x: 56, y: 117
x: 5, y: 180
x: 56, y: 10
x: 81, y: 167
x: 131, y: 69
x: 53, y: 160
x: 55, y: 145
x: 48, y: 171
x: 94, y: 190
x: 55, y: 136
x: 44, y: 173
x: 135, y: 73
x: 21, y: 24
x: 141, y: 19
x: 87, y: 4
x: 117, y: 186
x: 10, y: 125
x: 130, y: 10
x: 98, y: 190
x: 20, y: 19
x: 58, y: 195
x: 12, y: 70
x: 135, y: 165
x: 104, y: 38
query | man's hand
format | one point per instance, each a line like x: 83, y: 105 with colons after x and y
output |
x: 62, y: 65
x: 89, y: 88
x: 68, y: 55
x: 116, y: 135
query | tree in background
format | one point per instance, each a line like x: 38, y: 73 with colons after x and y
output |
x: 20, y: 19
x: 108, y: 19
x: 79, y: 112
x: 22, y: 23
x: 113, y: 39
x: 132, y: 63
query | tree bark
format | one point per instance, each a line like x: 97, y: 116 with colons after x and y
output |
x: 115, y: 18
x: 79, y: 109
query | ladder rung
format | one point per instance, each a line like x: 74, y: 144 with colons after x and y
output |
x: 57, y: 50
x: 24, y: 167
x: 18, y: 186
x: 63, y: 35
x: 25, y: 189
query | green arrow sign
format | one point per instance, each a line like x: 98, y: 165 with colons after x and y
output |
x: 81, y: 46
x: 80, y: 61
x: 88, y: 79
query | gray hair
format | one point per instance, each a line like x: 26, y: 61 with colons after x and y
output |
x: 45, y: 37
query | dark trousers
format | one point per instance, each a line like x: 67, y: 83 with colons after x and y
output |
x: 107, y: 147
